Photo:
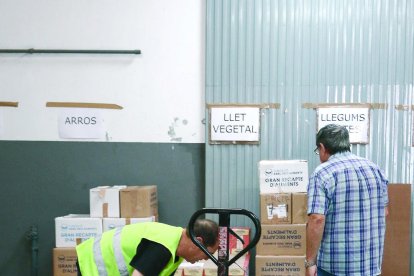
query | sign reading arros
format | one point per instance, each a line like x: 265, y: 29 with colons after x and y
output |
x: 234, y: 124
x: 81, y: 123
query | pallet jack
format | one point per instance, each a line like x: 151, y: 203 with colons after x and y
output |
x: 222, y: 261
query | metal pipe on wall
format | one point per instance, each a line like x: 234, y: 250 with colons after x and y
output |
x: 33, y: 236
x: 62, y: 51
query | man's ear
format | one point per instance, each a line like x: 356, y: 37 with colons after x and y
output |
x: 322, y: 147
x: 200, y: 239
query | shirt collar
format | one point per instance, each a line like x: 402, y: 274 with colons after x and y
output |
x: 340, y: 155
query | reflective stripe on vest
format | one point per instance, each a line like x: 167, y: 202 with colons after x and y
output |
x: 97, y: 253
x: 99, y: 260
x: 122, y: 267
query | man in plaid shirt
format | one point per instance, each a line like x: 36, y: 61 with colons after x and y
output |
x: 347, y: 206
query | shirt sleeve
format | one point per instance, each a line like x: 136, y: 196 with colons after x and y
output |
x: 317, y: 198
x: 384, y: 186
x: 151, y: 258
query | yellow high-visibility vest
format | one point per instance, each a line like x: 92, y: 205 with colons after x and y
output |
x: 111, y: 253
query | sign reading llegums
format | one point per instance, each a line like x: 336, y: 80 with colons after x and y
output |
x: 354, y: 118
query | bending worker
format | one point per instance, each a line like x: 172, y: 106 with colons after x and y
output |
x: 148, y: 248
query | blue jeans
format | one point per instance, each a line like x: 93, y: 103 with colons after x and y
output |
x: 322, y: 272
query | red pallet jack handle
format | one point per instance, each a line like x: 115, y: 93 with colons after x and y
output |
x: 223, y: 263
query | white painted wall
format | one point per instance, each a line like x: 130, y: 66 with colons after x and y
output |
x: 161, y: 90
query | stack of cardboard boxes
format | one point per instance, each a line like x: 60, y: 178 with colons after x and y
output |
x: 209, y: 268
x: 283, y: 203
x: 110, y: 207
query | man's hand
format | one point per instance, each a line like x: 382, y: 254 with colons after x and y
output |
x: 137, y: 273
x: 311, y: 271
x: 314, y: 233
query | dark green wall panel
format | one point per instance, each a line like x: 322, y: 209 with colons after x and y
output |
x: 43, y: 180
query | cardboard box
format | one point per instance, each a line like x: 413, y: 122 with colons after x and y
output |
x: 111, y: 223
x: 282, y: 239
x: 299, y: 208
x: 139, y: 201
x: 239, y: 268
x: 73, y: 229
x: 283, y: 176
x: 64, y: 261
x: 275, y: 208
x: 190, y: 269
x: 104, y: 201
x: 397, y: 245
x: 236, y: 245
x: 280, y: 265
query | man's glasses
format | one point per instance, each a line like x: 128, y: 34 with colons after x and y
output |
x: 316, y: 151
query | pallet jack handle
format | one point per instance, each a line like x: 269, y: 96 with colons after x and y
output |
x: 223, y: 263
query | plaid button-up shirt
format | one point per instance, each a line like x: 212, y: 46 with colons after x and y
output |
x: 352, y: 194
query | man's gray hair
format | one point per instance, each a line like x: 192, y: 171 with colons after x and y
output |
x: 335, y: 138
x: 206, y: 229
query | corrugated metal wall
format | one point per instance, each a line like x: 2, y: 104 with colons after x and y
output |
x: 302, y: 52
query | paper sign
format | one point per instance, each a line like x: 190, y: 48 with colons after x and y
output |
x: 84, y: 123
x: 1, y: 124
x: 279, y: 210
x: 234, y: 124
x: 283, y: 176
x: 355, y: 119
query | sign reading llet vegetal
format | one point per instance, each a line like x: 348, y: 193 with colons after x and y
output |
x: 234, y: 124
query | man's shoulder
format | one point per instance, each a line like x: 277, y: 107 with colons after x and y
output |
x: 345, y: 158
x: 336, y: 162
x: 363, y: 161
x: 341, y: 161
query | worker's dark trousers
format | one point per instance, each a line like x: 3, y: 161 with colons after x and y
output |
x: 77, y: 266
